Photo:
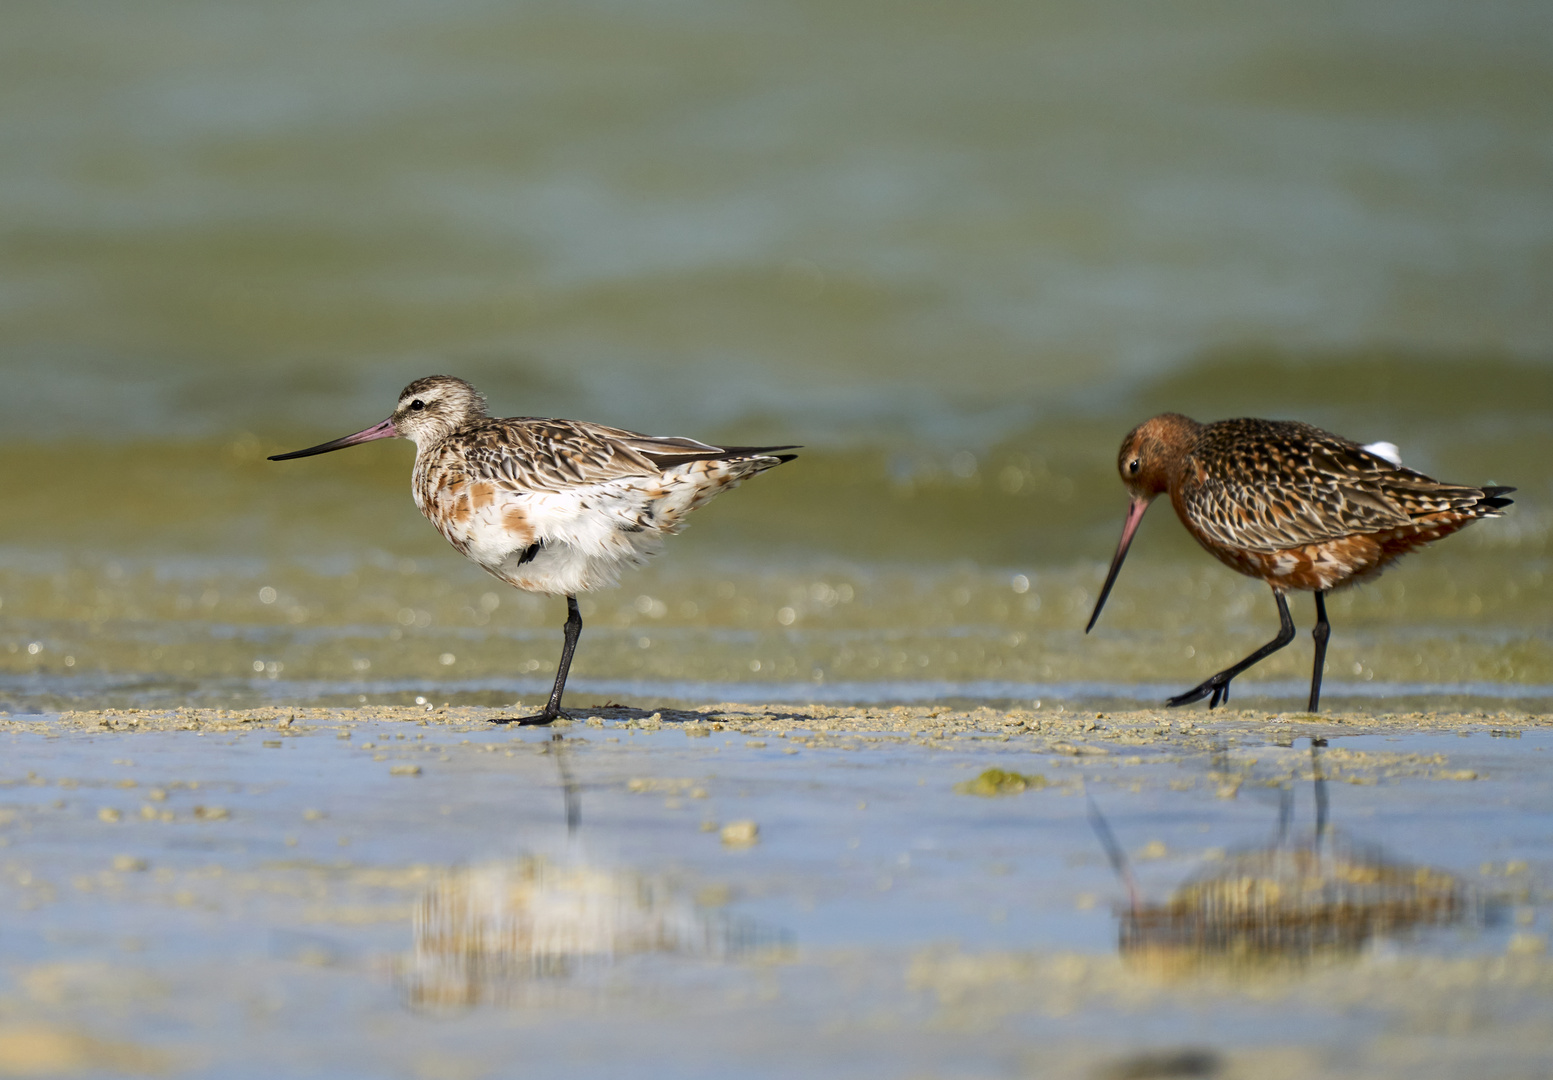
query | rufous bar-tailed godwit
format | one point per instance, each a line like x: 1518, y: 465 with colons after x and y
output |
x: 557, y: 507
x: 1291, y: 505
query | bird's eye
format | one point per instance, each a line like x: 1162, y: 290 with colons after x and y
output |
x: 1134, y: 465
x: 418, y: 404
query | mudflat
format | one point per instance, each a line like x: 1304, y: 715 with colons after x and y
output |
x: 414, y: 891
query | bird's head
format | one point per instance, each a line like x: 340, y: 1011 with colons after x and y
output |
x: 429, y: 410
x: 1153, y: 451
x: 432, y: 408
x: 1151, y: 455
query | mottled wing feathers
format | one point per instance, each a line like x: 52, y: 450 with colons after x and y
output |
x: 540, y: 455
x: 1268, y: 486
x: 665, y: 453
x: 547, y: 455
x: 562, y: 454
x: 1276, y: 518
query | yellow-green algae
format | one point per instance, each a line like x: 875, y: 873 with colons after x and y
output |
x: 993, y: 782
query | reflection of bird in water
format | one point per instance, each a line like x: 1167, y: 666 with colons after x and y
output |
x: 1290, y: 901
x: 488, y: 933
x: 550, y: 506
x: 1291, y: 505
x: 485, y: 933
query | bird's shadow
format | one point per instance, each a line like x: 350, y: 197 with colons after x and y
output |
x: 616, y: 711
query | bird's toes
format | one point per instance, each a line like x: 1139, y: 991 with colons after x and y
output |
x: 1216, y: 687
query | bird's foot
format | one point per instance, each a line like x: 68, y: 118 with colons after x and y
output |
x: 540, y: 719
x: 1218, y: 687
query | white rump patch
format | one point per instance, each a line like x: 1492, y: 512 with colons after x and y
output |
x: 1386, y: 450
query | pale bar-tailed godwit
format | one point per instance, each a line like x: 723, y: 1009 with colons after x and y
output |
x: 557, y: 507
x: 1291, y: 505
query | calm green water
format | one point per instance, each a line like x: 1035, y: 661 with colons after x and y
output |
x: 956, y: 252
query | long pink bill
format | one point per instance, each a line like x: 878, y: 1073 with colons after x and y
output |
x: 1134, y: 516
x: 385, y: 430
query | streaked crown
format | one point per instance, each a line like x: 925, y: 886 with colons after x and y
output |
x: 432, y: 408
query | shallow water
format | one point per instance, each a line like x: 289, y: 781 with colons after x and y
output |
x: 257, y: 581
x: 180, y: 898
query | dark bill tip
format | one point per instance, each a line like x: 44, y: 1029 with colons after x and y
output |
x: 385, y: 430
x: 1134, y: 516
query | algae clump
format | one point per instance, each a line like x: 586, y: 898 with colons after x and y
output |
x: 995, y: 782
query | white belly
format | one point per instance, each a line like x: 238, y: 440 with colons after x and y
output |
x: 588, y: 534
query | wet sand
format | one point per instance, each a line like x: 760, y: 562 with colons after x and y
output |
x: 773, y: 890
x: 1147, y: 725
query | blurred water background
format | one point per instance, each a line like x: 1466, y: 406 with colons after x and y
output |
x: 954, y: 250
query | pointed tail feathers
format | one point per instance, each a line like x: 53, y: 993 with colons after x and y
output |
x: 1493, y: 500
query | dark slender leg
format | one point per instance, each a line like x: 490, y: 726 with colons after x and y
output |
x: 572, y: 630
x: 552, y: 711
x: 1322, y: 631
x: 1218, y: 686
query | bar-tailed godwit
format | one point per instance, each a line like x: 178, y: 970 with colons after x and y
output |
x: 557, y: 507
x: 1291, y: 505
